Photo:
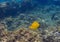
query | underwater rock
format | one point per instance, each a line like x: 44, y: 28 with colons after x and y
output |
x: 51, y: 35
x: 3, y: 30
x: 20, y: 35
x: 28, y: 34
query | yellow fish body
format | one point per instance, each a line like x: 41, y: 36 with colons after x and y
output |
x: 34, y: 25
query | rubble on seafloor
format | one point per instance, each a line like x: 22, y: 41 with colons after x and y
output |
x: 26, y: 35
x: 19, y: 35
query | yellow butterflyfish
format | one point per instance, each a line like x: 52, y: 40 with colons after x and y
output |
x: 34, y: 25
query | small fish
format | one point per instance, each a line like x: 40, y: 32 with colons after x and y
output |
x: 35, y: 25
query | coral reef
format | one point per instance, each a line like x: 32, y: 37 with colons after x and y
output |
x: 19, y: 35
x: 51, y: 34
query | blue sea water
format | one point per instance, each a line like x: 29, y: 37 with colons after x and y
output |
x: 19, y: 12
x: 24, y: 5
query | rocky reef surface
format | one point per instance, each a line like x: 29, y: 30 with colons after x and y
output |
x: 26, y: 35
x: 19, y: 35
